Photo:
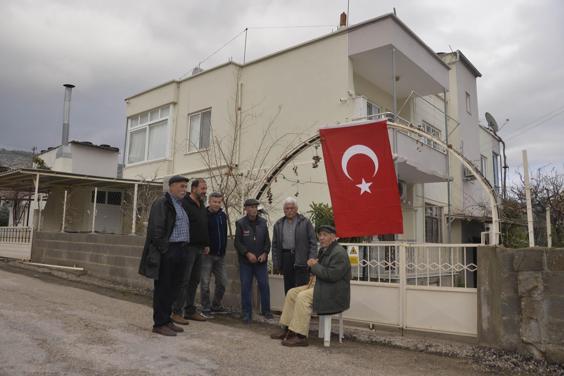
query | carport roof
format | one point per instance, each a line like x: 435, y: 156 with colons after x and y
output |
x: 23, y: 180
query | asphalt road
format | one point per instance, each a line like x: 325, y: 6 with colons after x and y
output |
x: 49, y: 327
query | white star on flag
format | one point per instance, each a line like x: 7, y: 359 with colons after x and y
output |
x: 364, y: 186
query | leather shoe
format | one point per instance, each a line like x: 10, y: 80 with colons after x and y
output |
x: 164, y: 330
x: 295, y: 341
x: 196, y: 316
x: 280, y: 334
x: 178, y: 319
x: 175, y: 328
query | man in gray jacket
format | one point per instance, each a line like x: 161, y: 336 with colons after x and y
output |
x: 293, y: 243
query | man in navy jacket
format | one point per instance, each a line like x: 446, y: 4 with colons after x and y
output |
x: 213, y: 262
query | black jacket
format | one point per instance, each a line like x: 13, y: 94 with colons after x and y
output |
x: 162, y: 219
x: 198, y: 217
x: 305, y: 242
x: 217, y: 230
x: 332, y: 290
x: 251, y: 237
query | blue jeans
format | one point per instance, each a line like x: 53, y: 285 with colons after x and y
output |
x: 259, y: 271
x: 212, y: 265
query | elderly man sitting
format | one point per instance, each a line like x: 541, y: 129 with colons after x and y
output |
x: 328, y: 291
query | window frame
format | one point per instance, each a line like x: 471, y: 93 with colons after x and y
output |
x: 496, y: 164
x: 468, y: 103
x: 483, y: 164
x: 189, y: 128
x: 135, y: 124
x: 433, y: 217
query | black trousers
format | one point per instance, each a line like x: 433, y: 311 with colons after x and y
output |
x: 294, y: 275
x: 171, y: 272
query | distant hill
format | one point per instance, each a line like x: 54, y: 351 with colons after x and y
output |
x: 16, y: 158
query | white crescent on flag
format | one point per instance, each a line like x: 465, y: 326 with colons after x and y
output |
x: 358, y: 149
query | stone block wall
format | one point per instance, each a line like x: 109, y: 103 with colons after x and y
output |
x: 115, y: 258
x: 521, y: 301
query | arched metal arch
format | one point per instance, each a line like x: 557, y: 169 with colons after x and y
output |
x: 292, y: 154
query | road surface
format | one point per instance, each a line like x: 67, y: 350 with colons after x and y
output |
x: 51, y: 327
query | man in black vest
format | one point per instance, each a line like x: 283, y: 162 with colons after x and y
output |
x: 253, y: 245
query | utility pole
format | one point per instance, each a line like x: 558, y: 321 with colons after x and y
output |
x: 528, y: 198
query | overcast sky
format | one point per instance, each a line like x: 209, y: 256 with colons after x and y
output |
x: 113, y: 49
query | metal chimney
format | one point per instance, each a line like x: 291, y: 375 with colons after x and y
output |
x: 66, y: 113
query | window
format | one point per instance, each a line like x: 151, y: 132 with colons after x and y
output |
x: 372, y: 109
x: 433, y: 223
x: 148, y: 135
x: 483, y: 164
x: 107, y: 197
x: 199, y: 131
x: 496, y: 165
x: 433, y: 131
x: 468, y: 104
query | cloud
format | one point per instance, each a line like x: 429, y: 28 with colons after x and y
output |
x: 111, y: 50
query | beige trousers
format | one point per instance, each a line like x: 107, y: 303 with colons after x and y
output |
x: 296, y: 313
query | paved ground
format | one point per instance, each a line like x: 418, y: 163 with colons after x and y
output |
x: 48, y: 327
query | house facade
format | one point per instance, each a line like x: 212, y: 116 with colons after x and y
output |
x: 236, y: 121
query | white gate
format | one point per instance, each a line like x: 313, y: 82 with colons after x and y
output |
x: 427, y: 287
x: 15, y: 242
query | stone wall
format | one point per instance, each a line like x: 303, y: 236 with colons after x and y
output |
x: 115, y: 258
x: 521, y: 301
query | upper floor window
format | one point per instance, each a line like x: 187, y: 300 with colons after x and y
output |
x: 372, y: 109
x: 468, y: 103
x: 199, y: 131
x: 496, y: 164
x: 483, y: 164
x: 147, y: 135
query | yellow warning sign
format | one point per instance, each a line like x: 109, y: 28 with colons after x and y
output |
x: 353, y: 254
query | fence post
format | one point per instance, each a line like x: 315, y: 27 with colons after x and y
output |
x: 402, y: 284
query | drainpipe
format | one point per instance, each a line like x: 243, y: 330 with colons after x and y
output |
x: 449, y: 221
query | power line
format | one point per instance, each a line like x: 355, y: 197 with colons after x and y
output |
x: 539, y: 121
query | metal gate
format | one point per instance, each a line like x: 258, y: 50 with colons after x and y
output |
x: 15, y: 242
x: 427, y: 287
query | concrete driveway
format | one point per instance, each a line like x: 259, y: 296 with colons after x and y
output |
x: 49, y: 327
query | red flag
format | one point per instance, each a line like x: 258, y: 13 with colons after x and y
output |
x: 362, y: 179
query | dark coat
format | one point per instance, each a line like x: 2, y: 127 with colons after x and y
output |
x: 198, y: 217
x: 332, y: 290
x: 162, y: 219
x: 249, y: 238
x: 217, y: 229
x: 305, y: 242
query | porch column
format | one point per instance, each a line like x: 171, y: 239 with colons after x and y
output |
x: 134, y: 211
x: 36, y: 200
x: 94, y: 209
x: 64, y: 212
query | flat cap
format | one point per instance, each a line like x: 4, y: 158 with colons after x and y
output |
x: 326, y: 228
x: 176, y: 179
x: 251, y: 202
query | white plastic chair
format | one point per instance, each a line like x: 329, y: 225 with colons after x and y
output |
x: 325, y: 323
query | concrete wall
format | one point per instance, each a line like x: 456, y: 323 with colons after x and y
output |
x: 115, y: 258
x: 521, y: 301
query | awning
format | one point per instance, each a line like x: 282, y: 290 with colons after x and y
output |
x: 23, y: 180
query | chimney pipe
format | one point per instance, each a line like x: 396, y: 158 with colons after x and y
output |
x: 343, y: 20
x: 66, y: 113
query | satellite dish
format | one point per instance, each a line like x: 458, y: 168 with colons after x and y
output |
x: 491, y: 122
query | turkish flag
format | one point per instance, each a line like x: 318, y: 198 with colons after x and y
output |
x: 362, y: 179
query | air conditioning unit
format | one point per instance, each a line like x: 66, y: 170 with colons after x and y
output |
x: 468, y: 175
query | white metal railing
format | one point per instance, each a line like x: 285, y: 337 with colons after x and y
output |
x: 440, y: 265
x: 15, y: 235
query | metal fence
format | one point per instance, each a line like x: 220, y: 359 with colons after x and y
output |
x: 15, y: 235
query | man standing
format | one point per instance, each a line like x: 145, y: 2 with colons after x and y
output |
x: 214, y: 261
x: 328, y: 292
x: 165, y: 253
x: 293, y: 243
x: 253, y: 244
x: 184, y: 308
